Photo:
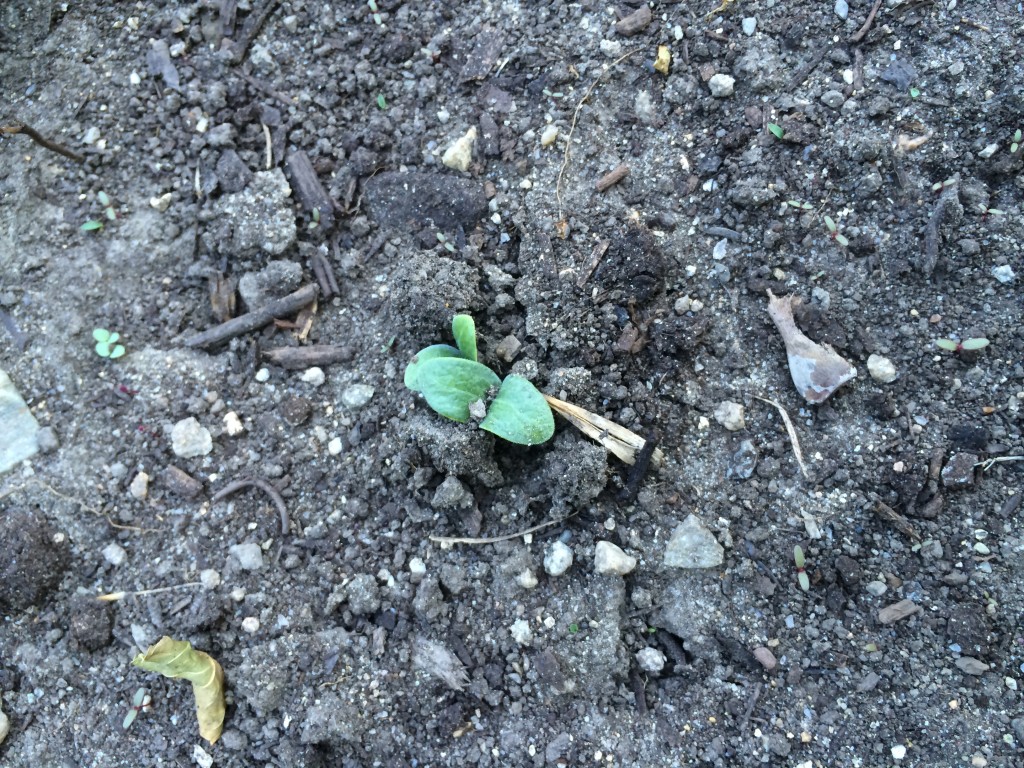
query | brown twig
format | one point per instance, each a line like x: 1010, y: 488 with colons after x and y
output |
x: 595, y: 258
x: 857, y: 36
x: 613, y: 177
x: 258, y: 318
x: 41, y: 140
x: 299, y: 358
x: 264, y: 486
x: 324, y: 273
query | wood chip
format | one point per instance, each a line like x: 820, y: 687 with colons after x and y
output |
x: 901, y: 610
x: 612, y: 178
x: 308, y: 189
x: 635, y: 23
x: 300, y: 358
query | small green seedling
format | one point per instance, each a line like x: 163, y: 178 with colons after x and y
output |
x: 915, y: 92
x: 375, y: 11
x: 459, y: 388
x: 315, y: 220
x: 801, y: 574
x: 776, y: 130
x: 799, y: 205
x: 986, y: 211
x: 141, y: 702
x: 1015, y: 144
x: 106, y: 343
x: 967, y: 345
x: 448, y: 246
x: 830, y: 225
x: 95, y: 225
x: 938, y: 186
x: 381, y: 101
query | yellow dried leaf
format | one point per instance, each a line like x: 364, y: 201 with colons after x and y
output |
x: 663, y: 59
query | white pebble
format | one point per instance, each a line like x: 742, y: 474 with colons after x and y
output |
x: 527, y: 579
x: 609, y: 558
x: 611, y: 48
x: 842, y: 9
x: 899, y: 752
x: 251, y: 625
x: 334, y: 446
x: 876, y: 588
x: 547, y: 138
x: 730, y: 415
x: 248, y: 555
x: 357, y: 395
x: 314, y: 376
x: 988, y: 151
x: 5, y: 726
x: 189, y: 439
x: 140, y: 486
x: 114, y: 554
x: 521, y: 633
x: 201, y: 757
x: 460, y: 154
x: 558, y: 559
x: 209, y: 578
x: 134, y: 78
x: 721, y: 85
x: 233, y: 424
x: 1011, y: 683
x: 881, y: 369
x: 161, y: 203
x: 1004, y: 274
x: 262, y: 375
x: 417, y: 567
x: 650, y: 660
x: 748, y: 25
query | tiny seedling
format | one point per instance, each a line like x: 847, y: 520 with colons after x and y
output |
x: 375, y: 11
x: 381, y: 101
x: 459, y: 387
x: 938, y: 186
x: 915, y: 92
x: 986, y: 211
x: 800, y: 206
x: 967, y: 345
x: 95, y: 225
x: 1015, y: 143
x: 776, y: 130
x: 833, y: 231
x: 141, y: 702
x: 314, y: 220
x: 448, y: 246
x: 801, y: 574
x: 106, y: 343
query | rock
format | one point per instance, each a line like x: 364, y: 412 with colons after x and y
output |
x: 363, y: 595
x: 550, y: 133
x: 1004, y: 274
x: 232, y: 172
x: 744, y: 461
x: 460, y: 154
x: 749, y: 24
x: 397, y: 199
x: 881, y: 369
x: 181, y: 483
x: 277, y: 279
x: 693, y: 546
x: 248, y: 555
x: 520, y: 631
x: 849, y: 571
x: 833, y: 99
x: 901, y: 610
x: 139, y: 487
x: 114, y: 554
x: 971, y: 665
x: 260, y: 217
x: 313, y: 376
x: 190, y: 439
x: 209, y: 578
x: 650, y: 660
x: 295, y: 411
x: 959, y: 471
x: 508, y: 348
x: 356, y: 396
x: 232, y: 424
x: 765, y: 658
x: 730, y: 415
x: 19, y: 430
x: 5, y: 725
x: 610, y: 559
x: 33, y: 562
x: 721, y: 86
x: 876, y: 588
x: 842, y: 9
x: 451, y: 494
x: 527, y: 579
x: 47, y: 438
x: 558, y: 559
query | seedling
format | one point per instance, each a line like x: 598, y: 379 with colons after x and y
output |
x: 799, y: 205
x: 315, y: 220
x: 830, y: 225
x: 106, y: 343
x: 94, y: 225
x: 967, y: 345
x: 141, y: 702
x: 448, y: 246
x: 1015, y: 144
x: 938, y: 186
x: 915, y: 92
x: 375, y: 11
x: 801, y: 574
x: 776, y: 130
x: 986, y: 211
x: 381, y: 101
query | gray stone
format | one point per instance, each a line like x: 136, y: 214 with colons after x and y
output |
x: 5, y: 725
x: 842, y: 9
x: 48, y: 440
x: 558, y: 559
x: 971, y: 665
x: 232, y: 172
x: 258, y: 218
x: 189, y: 439
x: 693, y: 546
x: 730, y: 415
x: 19, y: 430
x: 743, y: 462
x: 451, y: 494
x: 749, y: 24
x: 395, y: 199
x: 833, y: 99
x: 650, y: 660
x: 959, y: 471
x: 721, y: 86
x: 277, y: 279
x: 881, y: 369
x: 356, y: 396
x: 610, y: 559
x: 363, y: 594
x: 114, y: 554
x: 248, y: 555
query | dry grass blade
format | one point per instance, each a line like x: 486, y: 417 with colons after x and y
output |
x: 792, y: 434
x: 616, y: 438
x: 496, y: 539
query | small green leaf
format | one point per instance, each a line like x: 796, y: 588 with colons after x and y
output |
x: 110, y: 213
x: 974, y: 344
x: 116, y: 352
x: 798, y: 556
x: 92, y: 225
x: 830, y: 224
x: 464, y: 331
x: 381, y: 102
x: 103, y: 198
x: 948, y: 344
x: 805, y: 583
x: 842, y: 240
x: 101, y: 334
x: 427, y: 353
x: 113, y: 337
x: 520, y: 414
x: 451, y: 384
x: 130, y: 718
x: 776, y: 130
x: 102, y: 349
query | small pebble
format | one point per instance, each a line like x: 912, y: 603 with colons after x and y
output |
x: 1004, y: 274
x: 417, y: 568
x: 527, y: 579
x: 114, y: 554
x: 765, y: 658
x: 547, y: 138
x: 202, y: 758
x: 248, y: 555
x: 161, y: 203
x: 356, y: 396
x: 521, y: 633
x: 5, y: 726
x: 460, y: 154
x: 334, y: 446
x: 232, y: 424
x: 881, y: 369
x: 558, y: 559
x: 833, y: 99
x: 971, y: 666
x: 899, y: 752
x: 693, y: 545
x: 721, y: 86
x: 189, y: 439
x: 209, y: 578
x: 139, y: 487
x: 314, y: 376
x: 251, y: 625
x: 1010, y: 683
x: 749, y: 24
x: 988, y: 151
x: 730, y: 415
x: 262, y: 375
x: 842, y: 9
x: 682, y: 305
x: 650, y: 660
x: 610, y: 559
x: 876, y: 588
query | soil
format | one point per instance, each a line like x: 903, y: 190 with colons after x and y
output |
x: 251, y: 149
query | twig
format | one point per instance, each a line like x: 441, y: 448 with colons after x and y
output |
x: 987, y: 464
x: 111, y: 597
x: 857, y: 36
x: 614, y: 437
x: 613, y: 177
x: 258, y: 318
x: 575, y: 119
x: 750, y: 707
x: 42, y: 141
x: 264, y: 486
x: 595, y: 258
x: 250, y: 29
x: 636, y: 473
x: 298, y: 358
x: 324, y: 273
x: 896, y: 520
x: 792, y: 434
x: 636, y: 682
x: 496, y: 539
x: 932, y: 234
x: 288, y: 101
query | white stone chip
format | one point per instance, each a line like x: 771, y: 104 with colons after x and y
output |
x: 460, y: 154
x: 608, y: 558
x: 693, y: 546
x: 650, y: 660
x: 334, y: 446
x: 209, y: 578
x: 189, y: 439
x: 114, y: 554
x: 527, y: 579
x: 547, y: 138
x: 521, y: 633
x: 314, y: 376
x: 558, y: 559
x: 251, y: 625
x: 232, y: 424
x: 139, y: 487
x: 881, y: 369
x: 721, y: 86
x: 730, y: 415
x: 248, y: 555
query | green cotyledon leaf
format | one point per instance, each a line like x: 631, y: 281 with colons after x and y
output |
x: 519, y: 413
x: 451, y: 384
x: 177, y: 658
x: 412, y: 371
